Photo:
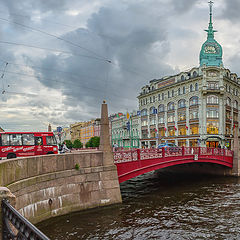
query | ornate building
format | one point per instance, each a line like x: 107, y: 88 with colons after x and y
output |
x: 198, y: 107
x: 125, y: 130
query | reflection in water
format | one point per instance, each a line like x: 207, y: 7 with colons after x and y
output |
x: 159, y: 207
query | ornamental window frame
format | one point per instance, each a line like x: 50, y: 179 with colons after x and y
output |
x: 212, y: 99
x: 194, y: 100
x: 170, y: 106
x: 161, y: 108
x: 182, y: 103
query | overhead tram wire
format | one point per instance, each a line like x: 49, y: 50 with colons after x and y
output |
x: 69, y: 42
x: 123, y: 66
x: 49, y: 69
x: 57, y: 37
x: 80, y: 86
x: 52, y: 50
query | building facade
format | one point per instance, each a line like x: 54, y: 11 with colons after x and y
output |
x: 198, y: 107
x: 82, y: 131
x: 126, y: 130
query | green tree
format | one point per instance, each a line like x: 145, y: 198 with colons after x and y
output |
x: 77, y: 144
x: 69, y: 144
x: 93, y: 142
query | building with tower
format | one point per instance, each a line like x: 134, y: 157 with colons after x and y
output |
x: 198, y: 107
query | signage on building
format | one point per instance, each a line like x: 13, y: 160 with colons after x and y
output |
x: 59, y: 129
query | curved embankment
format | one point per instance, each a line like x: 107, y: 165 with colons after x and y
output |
x: 53, y: 185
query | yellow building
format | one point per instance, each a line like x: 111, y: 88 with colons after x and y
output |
x: 82, y: 131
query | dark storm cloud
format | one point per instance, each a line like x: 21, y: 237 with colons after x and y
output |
x: 126, y: 37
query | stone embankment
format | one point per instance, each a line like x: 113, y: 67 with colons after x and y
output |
x: 53, y: 185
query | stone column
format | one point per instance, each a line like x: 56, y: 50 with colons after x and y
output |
x: 5, y: 194
x: 105, y: 145
x: 236, y: 156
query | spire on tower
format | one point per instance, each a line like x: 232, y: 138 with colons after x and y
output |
x: 210, y: 30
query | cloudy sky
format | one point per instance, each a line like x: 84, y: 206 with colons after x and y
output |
x: 60, y: 58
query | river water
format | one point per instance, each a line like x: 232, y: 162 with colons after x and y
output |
x: 159, y: 207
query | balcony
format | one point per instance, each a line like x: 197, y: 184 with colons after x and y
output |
x: 208, y: 89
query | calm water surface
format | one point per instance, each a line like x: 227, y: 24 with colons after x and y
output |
x: 159, y: 207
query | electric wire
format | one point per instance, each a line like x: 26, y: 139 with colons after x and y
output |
x: 57, y: 37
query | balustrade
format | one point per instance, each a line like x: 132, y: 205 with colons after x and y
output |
x: 162, y: 153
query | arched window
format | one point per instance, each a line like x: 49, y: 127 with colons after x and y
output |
x: 212, y: 99
x: 144, y: 112
x: 182, y: 78
x: 152, y: 87
x: 170, y: 106
x: 193, y: 100
x: 229, y: 102
x: 182, y: 103
x: 161, y: 108
x: 184, y: 90
x: 191, y: 88
x: 235, y: 104
x: 152, y: 110
x: 179, y: 91
x: 196, y: 86
x: 195, y: 74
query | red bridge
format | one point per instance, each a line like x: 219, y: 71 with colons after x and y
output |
x: 135, y: 162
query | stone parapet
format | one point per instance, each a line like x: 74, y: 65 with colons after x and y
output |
x: 53, y: 185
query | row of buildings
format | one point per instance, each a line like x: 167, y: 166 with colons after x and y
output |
x: 198, y: 107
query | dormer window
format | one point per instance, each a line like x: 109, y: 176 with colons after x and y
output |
x: 182, y: 78
x: 195, y: 74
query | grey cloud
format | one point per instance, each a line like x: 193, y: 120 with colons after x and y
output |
x: 128, y: 43
x: 231, y: 10
x: 183, y: 6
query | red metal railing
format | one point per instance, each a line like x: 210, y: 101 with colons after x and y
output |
x: 121, y: 156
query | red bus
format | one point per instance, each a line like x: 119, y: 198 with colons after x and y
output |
x: 22, y: 144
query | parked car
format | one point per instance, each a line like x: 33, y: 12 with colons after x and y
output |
x: 171, y: 146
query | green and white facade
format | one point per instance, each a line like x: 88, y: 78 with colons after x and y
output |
x: 124, y: 134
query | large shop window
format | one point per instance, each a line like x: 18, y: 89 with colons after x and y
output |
x: 171, y: 117
x: 194, y: 129
x: 171, y: 131
x: 212, y: 127
x: 182, y: 131
x: 161, y: 132
x: 181, y: 116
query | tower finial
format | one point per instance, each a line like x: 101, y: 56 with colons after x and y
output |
x: 210, y: 30
x: 210, y: 5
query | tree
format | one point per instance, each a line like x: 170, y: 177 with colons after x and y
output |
x: 69, y: 144
x: 93, y: 142
x: 77, y: 144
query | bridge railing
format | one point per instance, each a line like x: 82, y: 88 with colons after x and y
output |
x: 153, y: 153
x: 15, y: 226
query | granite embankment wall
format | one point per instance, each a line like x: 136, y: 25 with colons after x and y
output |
x: 53, y: 185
